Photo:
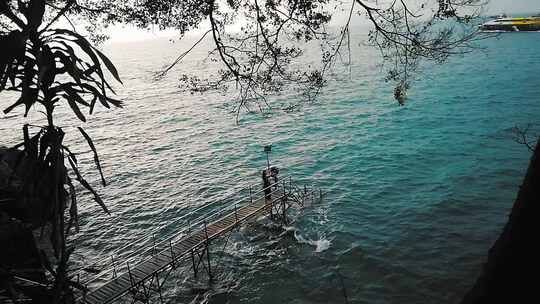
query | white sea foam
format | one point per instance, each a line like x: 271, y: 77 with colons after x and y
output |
x: 320, y: 245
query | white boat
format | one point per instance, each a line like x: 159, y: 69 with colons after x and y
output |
x: 522, y: 24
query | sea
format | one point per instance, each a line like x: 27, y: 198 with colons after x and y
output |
x: 409, y: 198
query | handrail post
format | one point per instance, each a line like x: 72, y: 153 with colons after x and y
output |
x: 131, y: 280
x: 206, y: 232
x: 154, y: 244
x: 207, y: 251
x: 172, y: 254
x: 114, y: 266
x: 193, y: 262
x: 250, y: 195
x: 284, y: 215
x: 271, y: 207
x: 236, y: 214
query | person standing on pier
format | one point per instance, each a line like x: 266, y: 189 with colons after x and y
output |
x: 274, y: 171
x: 266, y: 184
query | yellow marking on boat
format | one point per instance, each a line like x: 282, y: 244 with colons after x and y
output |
x: 524, y: 21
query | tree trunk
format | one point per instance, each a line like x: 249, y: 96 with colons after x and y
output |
x: 510, y: 273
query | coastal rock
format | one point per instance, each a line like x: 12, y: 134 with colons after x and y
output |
x: 508, y: 275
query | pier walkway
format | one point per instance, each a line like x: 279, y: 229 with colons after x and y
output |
x: 146, y: 278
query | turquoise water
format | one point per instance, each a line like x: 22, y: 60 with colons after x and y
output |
x: 415, y: 195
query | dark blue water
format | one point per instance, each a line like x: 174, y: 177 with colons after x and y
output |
x: 415, y: 195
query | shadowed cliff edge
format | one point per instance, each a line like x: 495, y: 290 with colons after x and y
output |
x: 508, y: 275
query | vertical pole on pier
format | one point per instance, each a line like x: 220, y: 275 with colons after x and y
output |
x: 208, y: 261
x: 250, y: 195
x: 154, y: 244
x: 159, y: 288
x: 206, y: 232
x: 285, y: 202
x: 114, y: 266
x: 207, y: 251
x: 236, y: 214
x: 267, y: 150
x: 271, y: 209
x: 131, y: 280
x: 173, y: 259
x: 193, y: 261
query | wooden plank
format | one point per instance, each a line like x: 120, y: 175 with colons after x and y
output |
x: 108, y: 288
x: 145, y: 269
x: 123, y: 280
x: 91, y: 299
x: 181, y: 249
x: 101, y: 294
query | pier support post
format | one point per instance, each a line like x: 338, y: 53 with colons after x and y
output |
x: 159, y: 288
x: 173, y: 258
x: 271, y: 209
x: 153, y: 244
x: 193, y: 261
x: 131, y: 280
x: 284, y: 210
x: 114, y: 267
x: 236, y: 214
x: 208, y: 261
x: 207, y: 245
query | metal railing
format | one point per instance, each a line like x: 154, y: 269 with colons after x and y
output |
x: 109, y: 265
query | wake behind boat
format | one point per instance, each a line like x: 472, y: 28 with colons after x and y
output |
x: 522, y: 24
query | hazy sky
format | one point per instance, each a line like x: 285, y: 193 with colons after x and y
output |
x: 514, y: 6
x: 119, y: 33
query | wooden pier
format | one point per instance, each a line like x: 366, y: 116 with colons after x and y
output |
x: 145, y: 279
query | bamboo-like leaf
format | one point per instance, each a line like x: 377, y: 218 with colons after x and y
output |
x: 85, y: 46
x: 98, y: 94
x: 73, y: 94
x: 73, y: 210
x: 96, y: 158
x: 117, y: 103
x: 11, y: 107
x: 85, y: 184
x: 70, y: 154
x: 93, y: 104
x: 69, y: 66
x: 110, y: 66
x: 75, y: 108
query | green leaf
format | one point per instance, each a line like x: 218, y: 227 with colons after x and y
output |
x: 110, y: 66
x: 11, y: 107
x: 73, y: 94
x: 96, y: 158
x: 85, y: 184
x: 73, y: 210
x: 75, y: 108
